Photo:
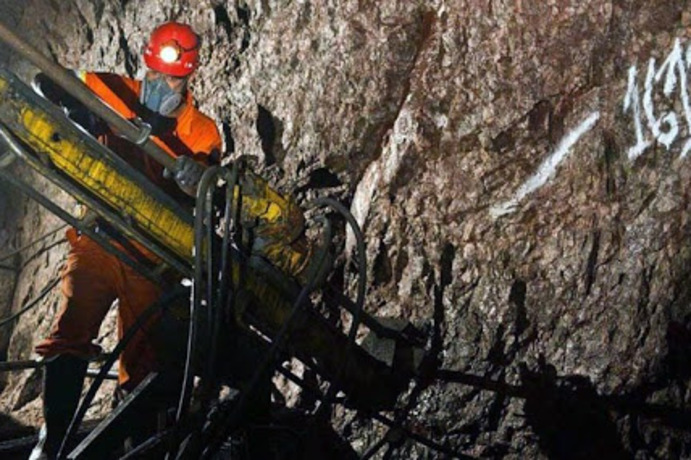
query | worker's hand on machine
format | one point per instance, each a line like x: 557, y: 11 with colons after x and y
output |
x: 187, y: 174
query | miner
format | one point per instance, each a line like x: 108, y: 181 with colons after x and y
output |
x: 92, y: 278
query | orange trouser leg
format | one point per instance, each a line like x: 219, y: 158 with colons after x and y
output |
x: 87, y: 294
x: 136, y: 294
x: 92, y: 280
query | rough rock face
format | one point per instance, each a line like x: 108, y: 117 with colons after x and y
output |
x: 520, y: 172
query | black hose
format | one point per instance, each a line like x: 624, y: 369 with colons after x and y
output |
x: 224, y: 294
x: 195, y: 303
x: 214, y: 312
x: 211, y: 304
x: 32, y: 303
x: 362, y: 285
x: 162, y: 302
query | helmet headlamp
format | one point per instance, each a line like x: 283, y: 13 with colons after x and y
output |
x: 170, y: 52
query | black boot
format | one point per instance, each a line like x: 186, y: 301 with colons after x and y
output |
x: 62, y: 386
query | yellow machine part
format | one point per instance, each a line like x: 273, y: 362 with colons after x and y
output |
x: 276, y: 220
x: 108, y: 184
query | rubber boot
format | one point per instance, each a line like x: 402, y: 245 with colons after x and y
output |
x: 62, y: 386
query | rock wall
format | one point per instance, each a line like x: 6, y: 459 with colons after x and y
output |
x: 520, y: 172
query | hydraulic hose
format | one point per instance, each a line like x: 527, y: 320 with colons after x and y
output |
x: 204, y: 220
x: 71, y: 84
x: 225, y: 291
x: 380, y: 418
x: 203, y: 189
x: 362, y: 284
x: 28, y: 245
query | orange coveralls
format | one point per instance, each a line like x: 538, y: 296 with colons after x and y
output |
x: 93, y: 278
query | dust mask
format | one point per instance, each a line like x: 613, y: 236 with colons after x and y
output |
x: 158, y: 97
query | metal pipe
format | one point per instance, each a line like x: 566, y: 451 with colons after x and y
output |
x: 29, y: 305
x: 75, y: 87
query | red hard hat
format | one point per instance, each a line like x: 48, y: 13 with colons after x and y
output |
x: 173, y: 49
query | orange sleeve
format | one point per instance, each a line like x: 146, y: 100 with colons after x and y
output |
x: 208, y: 138
x: 200, y: 134
x: 104, y: 86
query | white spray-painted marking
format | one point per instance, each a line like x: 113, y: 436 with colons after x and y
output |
x: 632, y: 100
x: 547, y: 168
x: 665, y: 128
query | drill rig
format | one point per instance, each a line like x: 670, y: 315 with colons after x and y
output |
x: 243, y: 249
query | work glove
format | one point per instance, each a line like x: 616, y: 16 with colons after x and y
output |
x: 160, y: 125
x: 187, y: 174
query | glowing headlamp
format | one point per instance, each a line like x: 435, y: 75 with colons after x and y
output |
x: 170, y: 52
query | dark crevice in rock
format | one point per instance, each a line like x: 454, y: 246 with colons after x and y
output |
x: 223, y: 20
x: 611, y: 155
x: 539, y: 116
x: 244, y: 17
x: 591, y: 267
x: 647, y: 201
x: 131, y: 60
x: 678, y: 364
x: 320, y: 178
x: 381, y: 268
x: 400, y: 265
x: 497, y: 354
x: 538, y: 121
x: 228, y: 139
x: 266, y: 128
x: 644, y: 290
x: 495, y: 412
x: 503, y: 141
x: 517, y: 296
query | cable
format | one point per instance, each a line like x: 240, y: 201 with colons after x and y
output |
x: 26, y: 246
x: 224, y: 291
x: 32, y: 303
